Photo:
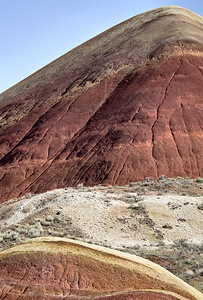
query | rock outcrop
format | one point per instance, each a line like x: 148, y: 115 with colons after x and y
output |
x: 124, y: 105
x: 56, y: 268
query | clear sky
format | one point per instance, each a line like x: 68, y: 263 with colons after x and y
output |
x: 35, y: 32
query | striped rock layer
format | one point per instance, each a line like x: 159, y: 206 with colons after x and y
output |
x: 57, y: 268
x: 125, y: 105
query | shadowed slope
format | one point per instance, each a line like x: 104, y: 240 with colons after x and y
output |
x: 60, y: 268
x: 122, y: 106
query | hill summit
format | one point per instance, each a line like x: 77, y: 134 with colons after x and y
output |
x: 122, y: 106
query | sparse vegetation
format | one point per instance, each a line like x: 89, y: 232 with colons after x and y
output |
x: 10, y: 235
x: 161, y: 177
x: 28, y: 195
x: 44, y: 222
x: 137, y: 206
x: 1, y: 238
x: 49, y: 218
x: 200, y: 206
x: 199, y: 180
x: 180, y: 178
x: 167, y: 226
x: 154, y: 237
x: 184, y: 256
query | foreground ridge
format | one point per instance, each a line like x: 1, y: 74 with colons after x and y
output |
x: 59, y: 267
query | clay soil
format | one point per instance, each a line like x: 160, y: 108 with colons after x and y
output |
x: 160, y: 220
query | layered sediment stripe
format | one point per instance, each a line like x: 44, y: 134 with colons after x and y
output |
x: 125, y: 105
x: 43, y: 265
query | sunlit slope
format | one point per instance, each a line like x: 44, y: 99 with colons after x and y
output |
x: 122, y: 106
x: 56, y: 267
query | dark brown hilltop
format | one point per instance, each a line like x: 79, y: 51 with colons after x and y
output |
x: 124, y: 105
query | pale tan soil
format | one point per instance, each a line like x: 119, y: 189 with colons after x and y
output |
x: 155, y: 219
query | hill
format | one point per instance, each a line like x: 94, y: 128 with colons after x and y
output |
x: 122, y: 106
x: 64, y: 269
x: 160, y: 220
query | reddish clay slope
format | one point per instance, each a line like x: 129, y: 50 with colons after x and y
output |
x: 124, y: 105
x: 55, y: 268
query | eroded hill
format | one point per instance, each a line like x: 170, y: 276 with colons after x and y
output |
x: 160, y: 220
x: 124, y: 105
x: 64, y: 269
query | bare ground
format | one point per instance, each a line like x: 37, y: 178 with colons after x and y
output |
x: 160, y: 220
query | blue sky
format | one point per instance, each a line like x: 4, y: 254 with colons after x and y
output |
x: 35, y: 32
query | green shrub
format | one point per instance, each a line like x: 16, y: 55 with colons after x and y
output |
x: 137, y: 206
x: 34, y: 232
x: 80, y: 186
x: 28, y: 195
x: 56, y: 233
x: 142, y: 190
x: 49, y: 218
x: 180, y: 178
x: 167, y: 226
x: 132, y: 183
x: 45, y: 222
x: 11, y: 235
x: 58, y: 220
x: 149, y: 179
x: 161, y: 177
x: 199, y: 180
